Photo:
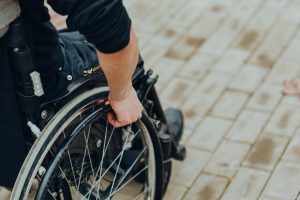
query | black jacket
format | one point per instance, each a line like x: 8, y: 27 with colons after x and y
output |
x: 105, y: 23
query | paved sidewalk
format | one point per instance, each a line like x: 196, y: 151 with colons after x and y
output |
x: 223, y: 63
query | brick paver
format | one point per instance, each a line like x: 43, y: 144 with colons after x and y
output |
x: 247, y: 184
x: 248, y: 126
x: 223, y: 63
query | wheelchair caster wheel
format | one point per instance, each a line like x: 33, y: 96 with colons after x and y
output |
x: 180, y: 153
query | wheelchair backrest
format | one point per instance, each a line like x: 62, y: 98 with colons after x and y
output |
x: 9, y: 11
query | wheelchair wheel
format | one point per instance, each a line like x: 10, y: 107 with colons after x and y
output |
x: 80, y: 156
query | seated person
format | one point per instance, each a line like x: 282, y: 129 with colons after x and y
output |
x: 101, y: 32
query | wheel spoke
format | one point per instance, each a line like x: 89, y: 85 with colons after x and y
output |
x: 72, y: 168
x: 70, y: 160
x: 104, y: 149
x: 87, y: 139
x: 127, y: 182
x: 113, y: 183
x: 103, y: 155
x: 83, y: 159
x: 51, y: 194
x: 63, y: 173
x: 113, y: 162
x: 65, y: 176
x: 125, y: 175
x: 90, y: 159
x: 125, y: 146
x: 131, y: 167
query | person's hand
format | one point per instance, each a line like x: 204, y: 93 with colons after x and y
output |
x: 126, y: 110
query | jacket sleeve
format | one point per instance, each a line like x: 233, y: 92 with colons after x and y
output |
x: 105, y: 23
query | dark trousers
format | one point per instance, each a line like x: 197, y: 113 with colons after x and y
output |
x: 12, y: 148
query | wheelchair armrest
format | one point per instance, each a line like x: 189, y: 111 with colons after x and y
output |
x: 93, y: 79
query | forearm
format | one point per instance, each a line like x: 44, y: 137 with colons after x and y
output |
x: 106, y: 24
x: 118, y: 68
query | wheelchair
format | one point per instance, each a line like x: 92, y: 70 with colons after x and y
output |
x: 74, y: 153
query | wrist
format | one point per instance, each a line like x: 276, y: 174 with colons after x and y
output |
x: 122, y: 94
